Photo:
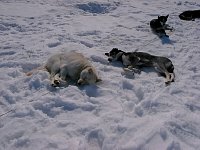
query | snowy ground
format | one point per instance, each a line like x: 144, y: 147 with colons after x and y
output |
x: 120, y: 113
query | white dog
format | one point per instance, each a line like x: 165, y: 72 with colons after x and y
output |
x: 70, y: 65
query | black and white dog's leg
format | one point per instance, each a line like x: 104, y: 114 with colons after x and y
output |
x: 131, y: 64
x: 172, y: 76
x: 169, y: 77
x: 132, y: 69
x: 128, y: 71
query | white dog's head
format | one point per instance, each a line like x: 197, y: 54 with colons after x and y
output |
x: 88, y: 76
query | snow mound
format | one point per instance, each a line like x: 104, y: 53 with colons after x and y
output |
x: 96, y: 8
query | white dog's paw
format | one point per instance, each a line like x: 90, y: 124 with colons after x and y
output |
x: 55, y: 83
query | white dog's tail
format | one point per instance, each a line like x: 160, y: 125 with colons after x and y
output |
x: 35, y: 70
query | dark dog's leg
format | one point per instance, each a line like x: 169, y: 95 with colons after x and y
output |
x: 168, y: 27
x: 161, y: 33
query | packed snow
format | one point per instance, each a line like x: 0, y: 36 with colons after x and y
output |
x: 123, y: 112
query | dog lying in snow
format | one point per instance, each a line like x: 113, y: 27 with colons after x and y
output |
x: 159, y: 26
x: 134, y: 60
x: 190, y: 15
x: 70, y: 65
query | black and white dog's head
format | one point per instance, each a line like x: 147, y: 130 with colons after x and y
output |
x: 114, y: 55
x: 163, y: 19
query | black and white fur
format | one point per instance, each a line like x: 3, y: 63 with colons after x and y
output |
x: 159, y: 26
x: 135, y: 60
x: 190, y: 15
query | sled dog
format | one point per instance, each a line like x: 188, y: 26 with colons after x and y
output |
x: 135, y: 60
x: 159, y: 26
x: 70, y: 65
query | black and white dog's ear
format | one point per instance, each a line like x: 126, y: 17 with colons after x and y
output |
x: 115, y: 49
x: 107, y: 54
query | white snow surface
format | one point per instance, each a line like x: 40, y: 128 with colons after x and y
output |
x: 123, y: 112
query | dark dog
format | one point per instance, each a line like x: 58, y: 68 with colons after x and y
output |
x: 190, y: 15
x: 159, y: 26
x: 135, y: 60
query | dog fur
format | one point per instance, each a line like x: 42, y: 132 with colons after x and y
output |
x: 70, y: 65
x: 159, y: 26
x: 190, y: 15
x: 135, y: 60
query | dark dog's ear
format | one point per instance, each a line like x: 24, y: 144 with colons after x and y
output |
x: 167, y: 16
x: 158, y: 17
x: 107, y: 54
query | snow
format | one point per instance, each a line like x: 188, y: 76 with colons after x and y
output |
x: 123, y: 112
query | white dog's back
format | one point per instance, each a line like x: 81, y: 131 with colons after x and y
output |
x: 69, y: 65
x: 73, y: 63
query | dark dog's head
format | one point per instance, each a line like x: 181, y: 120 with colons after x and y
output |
x: 113, y: 54
x: 163, y: 19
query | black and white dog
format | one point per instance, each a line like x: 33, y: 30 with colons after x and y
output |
x: 190, y: 15
x: 135, y: 60
x: 159, y: 26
